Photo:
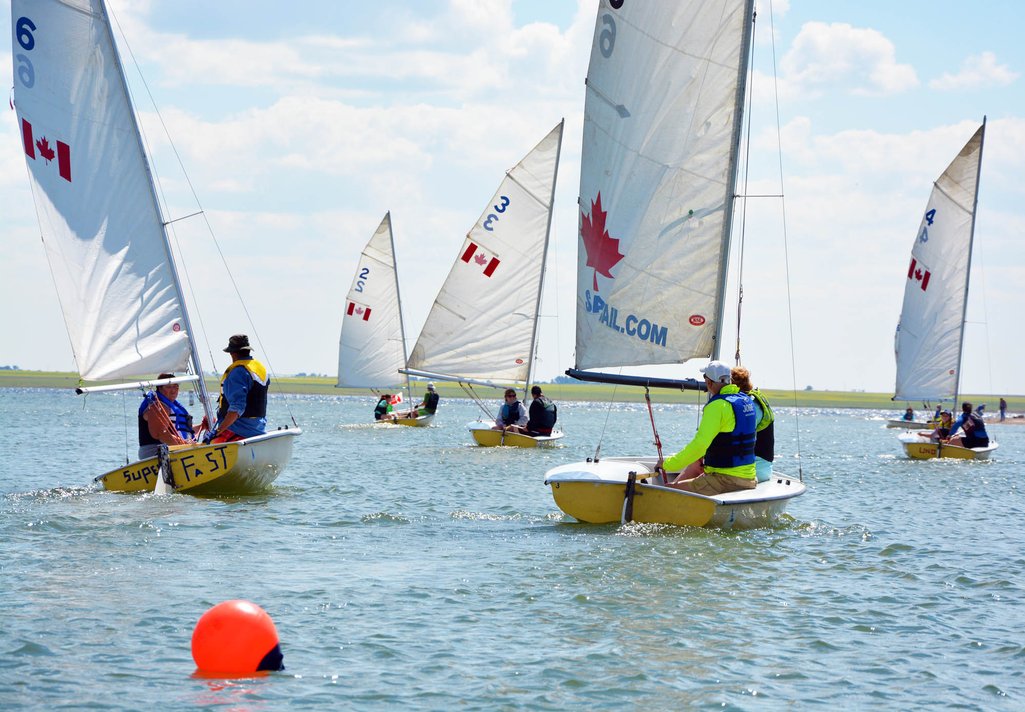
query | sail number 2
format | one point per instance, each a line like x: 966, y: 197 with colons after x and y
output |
x: 361, y: 279
x: 23, y: 30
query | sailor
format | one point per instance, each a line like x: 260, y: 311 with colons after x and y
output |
x: 725, y: 438
x: 429, y: 405
x: 383, y: 407
x: 974, y: 429
x: 765, y: 430
x: 162, y: 419
x: 242, y: 407
x: 512, y: 416
x: 542, y: 413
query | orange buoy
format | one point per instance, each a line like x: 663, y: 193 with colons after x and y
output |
x: 236, y: 637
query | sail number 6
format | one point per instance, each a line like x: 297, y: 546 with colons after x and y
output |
x: 23, y: 30
x: 607, y: 38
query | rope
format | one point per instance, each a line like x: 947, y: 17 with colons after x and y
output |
x: 206, y: 221
x: 786, y: 248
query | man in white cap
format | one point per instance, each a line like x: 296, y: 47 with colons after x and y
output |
x: 725, y: 439
x: 429, y: 404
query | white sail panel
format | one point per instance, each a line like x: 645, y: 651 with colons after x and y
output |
x: 931, y: 328
x: 93, y: 193
x: 370, y: 347
x: 482, y: 323
x: 656, y: 170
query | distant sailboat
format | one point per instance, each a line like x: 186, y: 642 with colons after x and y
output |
x: 483, y: 325
x: 105, y: 237
x: 372, y: 343
x: 662, y: 124
x: 930, y: 335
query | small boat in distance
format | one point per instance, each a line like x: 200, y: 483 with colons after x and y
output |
x: 372, y: 342
x: 482, y: 328
x: 106, y: 240
x: 662, y: 126
x: 929, y: 341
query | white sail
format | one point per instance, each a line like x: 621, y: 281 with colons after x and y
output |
x: 94, y: 197
x: 931, y: 328
x: 482, y: 323
x: 371, y: 348
x: 661, y: 124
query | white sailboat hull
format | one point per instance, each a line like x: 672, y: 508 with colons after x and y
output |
x: 919, y: 448
x: 595, y: 493
x: 909, y: 425
x: 484, y: 436
x: 247, y: 466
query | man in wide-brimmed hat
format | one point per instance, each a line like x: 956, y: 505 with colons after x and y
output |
x: 242, y: 407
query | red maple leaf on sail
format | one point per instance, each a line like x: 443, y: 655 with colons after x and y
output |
x: 44, y: 149
x: 602, y: 249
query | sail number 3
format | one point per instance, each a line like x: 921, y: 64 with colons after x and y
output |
x: 492, y: 217
x: 23, y: 30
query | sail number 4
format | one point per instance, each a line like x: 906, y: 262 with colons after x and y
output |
x: 23, y: 30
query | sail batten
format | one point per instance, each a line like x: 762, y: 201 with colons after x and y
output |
x: 657, y: 179
x: 481, y: 325
x: 930, y: 334
x: 99, y: 221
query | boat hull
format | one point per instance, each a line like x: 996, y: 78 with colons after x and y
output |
x: 243, y: 467
x: 484, y: 436
x: 421, y: 421
x: 919, y: 448
x: 595, y: 493
x: 909, y: 425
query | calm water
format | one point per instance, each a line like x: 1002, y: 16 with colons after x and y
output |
x: 406, y: 569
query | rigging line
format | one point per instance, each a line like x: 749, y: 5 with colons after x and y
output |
x: 124, y: 410
x: 605, y: 425
x: 985, y: 315
x: 206, y: 221
x: 743, y: 197
x: 786, y: 246
x: 654, y: 430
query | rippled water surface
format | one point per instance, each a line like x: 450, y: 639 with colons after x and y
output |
x: 405, y: 568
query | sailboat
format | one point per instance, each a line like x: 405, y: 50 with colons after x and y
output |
x: 482, y: 328
x: 372, y: 343
x: 930, y: 334
x: 106, y: 241
x: 662, y: 123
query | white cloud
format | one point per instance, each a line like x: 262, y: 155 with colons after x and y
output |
x: 839, y: 57
x: 978, y: 70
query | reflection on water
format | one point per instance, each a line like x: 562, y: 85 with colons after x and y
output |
x: 406, y: 568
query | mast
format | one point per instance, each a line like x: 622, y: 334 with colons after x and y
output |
x: 544, y: 261
x: 968, y: 269
x: 398, y: 297
x: 731, y: 188
x: 163, y: 225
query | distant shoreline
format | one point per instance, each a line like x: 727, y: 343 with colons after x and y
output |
x: 310, y: 385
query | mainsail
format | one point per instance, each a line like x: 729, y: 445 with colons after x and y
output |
x: 372, y: 347
x: 662, y: 122
x: 93, y: 193
x: 482, y: 323
x: 931, y: 328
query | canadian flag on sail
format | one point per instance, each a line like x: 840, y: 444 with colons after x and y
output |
x: 358, y: 310
x: 46, y: 150
x: 918, y: 273
x: 481, y: 258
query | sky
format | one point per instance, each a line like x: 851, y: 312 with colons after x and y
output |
x: 300, y: 124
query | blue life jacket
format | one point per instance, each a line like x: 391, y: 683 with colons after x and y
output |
x: 736, y: 448
x: 510, y: 413
x: 179, y: 417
